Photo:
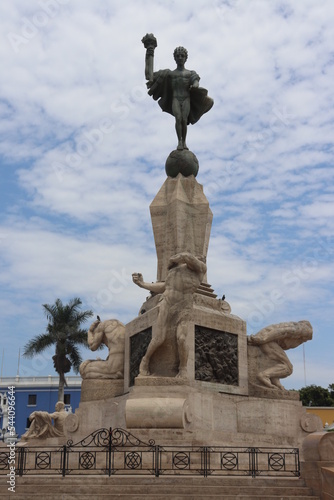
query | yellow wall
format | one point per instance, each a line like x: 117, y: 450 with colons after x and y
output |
x: 325, y: 413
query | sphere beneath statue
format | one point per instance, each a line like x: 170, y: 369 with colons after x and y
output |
x: 181, y: 162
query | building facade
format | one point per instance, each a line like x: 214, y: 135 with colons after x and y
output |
x: 326, y: 413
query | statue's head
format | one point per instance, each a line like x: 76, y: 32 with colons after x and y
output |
x: 181, y: 50
x: 60, y: 406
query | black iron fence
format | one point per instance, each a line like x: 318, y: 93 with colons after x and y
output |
x: 116, y: 451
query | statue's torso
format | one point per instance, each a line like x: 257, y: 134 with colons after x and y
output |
x: 180, y: 83
x: 181, y: 283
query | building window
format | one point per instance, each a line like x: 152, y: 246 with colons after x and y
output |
x: 67, y: 399
x: 32, y: 399
x: 28, y: 423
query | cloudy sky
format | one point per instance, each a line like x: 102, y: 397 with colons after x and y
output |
x: 83, y: 149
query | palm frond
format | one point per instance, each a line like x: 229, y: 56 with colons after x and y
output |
x: 38, y: 344
x: 82, y: 316
x: 79, y: 337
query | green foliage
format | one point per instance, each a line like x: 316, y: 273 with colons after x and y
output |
x: 64, y: 333
x: 331, y: 390
x: 314, y: 395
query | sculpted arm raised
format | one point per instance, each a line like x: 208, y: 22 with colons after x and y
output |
x: 111, y: 334
x: 150, y: 43
x: 138, y: 279
x: 95, y: 336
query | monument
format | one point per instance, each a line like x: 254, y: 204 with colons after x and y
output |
x: 184, y: 370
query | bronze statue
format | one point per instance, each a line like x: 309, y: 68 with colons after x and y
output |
x: 177, y: 91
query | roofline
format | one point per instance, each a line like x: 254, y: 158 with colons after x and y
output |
x: 48, y: 381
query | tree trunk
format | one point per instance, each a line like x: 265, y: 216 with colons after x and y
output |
x: 61, y: 387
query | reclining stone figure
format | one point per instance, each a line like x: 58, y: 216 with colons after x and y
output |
x: 41, y: 426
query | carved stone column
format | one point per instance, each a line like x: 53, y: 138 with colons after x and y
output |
x: 181, y: 220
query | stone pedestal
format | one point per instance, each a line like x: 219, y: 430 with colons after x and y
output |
x: 217, y: 347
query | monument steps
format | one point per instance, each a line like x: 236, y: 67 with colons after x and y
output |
x: 163, y: 488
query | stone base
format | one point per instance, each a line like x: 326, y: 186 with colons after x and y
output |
x: 159, y: 381
x: 260, y: 391
x: 96, y: 389
x: 206, y: 417
x: 174, y: 411
x: 216, y: 342
x: 42, y: 443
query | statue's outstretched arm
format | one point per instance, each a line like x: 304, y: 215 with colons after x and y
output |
x: 158, y: 287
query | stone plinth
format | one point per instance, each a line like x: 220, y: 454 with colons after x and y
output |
x: 181, y: 220
x: 96, y: 389
x: 192, y: 414
x: 217, y: 347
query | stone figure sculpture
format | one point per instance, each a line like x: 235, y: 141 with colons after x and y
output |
x: 274, y: 340
x: 185, y: 274
x: 41, y: 423
x: 111, y: 334
x: 177, y: 91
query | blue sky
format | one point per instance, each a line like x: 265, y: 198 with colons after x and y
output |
x: 83, y: 149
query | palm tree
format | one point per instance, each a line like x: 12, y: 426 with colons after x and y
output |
x: 63, y: 331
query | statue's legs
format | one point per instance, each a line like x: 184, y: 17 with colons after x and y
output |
x: 181, y: 337
x: 185, y: 109
x: 157, y: 340
x: 181, y: 111
x: 270, y: 377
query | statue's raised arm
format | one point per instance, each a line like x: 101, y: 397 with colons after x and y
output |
x: 177, y: 91
x: 150, y: 43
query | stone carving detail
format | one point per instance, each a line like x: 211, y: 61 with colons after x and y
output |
x: 185, y: 274
x: 138, y: 346
x: 310, y: 423
x: 71, y: 423
x: 111, y: 334
x: 216, y: 356
x: 273, y: 341
x: 41, y: 426
x: 177, y: 91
